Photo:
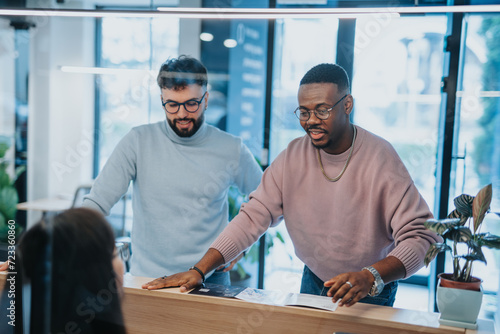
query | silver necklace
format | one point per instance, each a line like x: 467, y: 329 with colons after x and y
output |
x: 346, y: 163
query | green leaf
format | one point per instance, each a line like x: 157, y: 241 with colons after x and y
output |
x: 4, y: 145
x: 434, y: 250
x: 480, y: 205
x: 280, y: 237
x: 8, y: 202
x: 490, y: 241
x: 458, y: 234
x: 479, y: 256
x: 456, y: 214
x: 440, y: 226
x: 4, y: 178
x: 463, y: 203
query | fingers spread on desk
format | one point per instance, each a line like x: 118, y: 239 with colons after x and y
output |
x: 162, y: 282
x: 155, y: 284
x: 347, y: 288
x: 186, y: 281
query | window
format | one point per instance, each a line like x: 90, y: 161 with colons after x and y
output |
x: 477, y: 138
x: 129, y: 96
x: 398, y: 66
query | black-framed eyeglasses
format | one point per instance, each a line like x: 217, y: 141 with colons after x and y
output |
x: 173, y: 107
x: 303, y: 114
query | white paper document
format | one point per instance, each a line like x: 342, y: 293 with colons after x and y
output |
x: 286, y: 299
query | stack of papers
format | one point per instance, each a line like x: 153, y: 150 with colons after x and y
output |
x: 279, y: 298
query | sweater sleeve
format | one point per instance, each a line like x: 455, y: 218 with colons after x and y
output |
x: 264, y: 208
x: 248, y: 173
x: 411, y: 237
x: 113, y: 181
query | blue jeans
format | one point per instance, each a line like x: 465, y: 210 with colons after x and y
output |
x: 313, y: 285
x: 219, y: 277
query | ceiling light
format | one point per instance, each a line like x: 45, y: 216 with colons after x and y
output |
x: 230, y: 43
x: 206, y: 37
x: 252, y: 13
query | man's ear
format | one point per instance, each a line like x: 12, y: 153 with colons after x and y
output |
x: 348, y: 104
x: 206, y: 100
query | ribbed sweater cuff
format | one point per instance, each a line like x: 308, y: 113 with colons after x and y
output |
x: 409, y: 258
x: 226, y: 247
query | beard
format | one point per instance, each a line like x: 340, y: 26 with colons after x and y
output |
x: 320, y: 146
x: 316, y: 144
x: 186, y: 132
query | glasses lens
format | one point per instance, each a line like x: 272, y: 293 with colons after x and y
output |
x: 172, y: 107
x: 301, y: 114
x: 322, y: 113
x: 191, y: 106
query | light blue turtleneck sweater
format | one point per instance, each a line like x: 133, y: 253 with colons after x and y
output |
x: 180, y: 188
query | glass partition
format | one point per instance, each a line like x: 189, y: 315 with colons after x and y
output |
x: 398, y: 67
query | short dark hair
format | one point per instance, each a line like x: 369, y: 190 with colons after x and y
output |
x: 327, y: 73
x: 177, y: 73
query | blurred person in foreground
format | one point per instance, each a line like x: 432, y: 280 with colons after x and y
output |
x: 77, y: 249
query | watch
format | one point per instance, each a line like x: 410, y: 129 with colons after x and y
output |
x: 378, y: 284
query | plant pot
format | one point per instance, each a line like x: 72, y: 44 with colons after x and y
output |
x: 446, y: 282
x: 458, y: 307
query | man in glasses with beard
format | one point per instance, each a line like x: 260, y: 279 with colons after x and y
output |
x: 181, y: 170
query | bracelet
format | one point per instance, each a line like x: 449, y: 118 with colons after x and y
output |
x: 199, y: 272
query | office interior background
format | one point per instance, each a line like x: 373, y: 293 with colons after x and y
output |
x: 72, y: 87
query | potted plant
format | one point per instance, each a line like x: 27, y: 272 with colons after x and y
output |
x: 459, y: 294
x: 8, y: 193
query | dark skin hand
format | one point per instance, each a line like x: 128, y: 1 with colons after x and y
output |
x: 390, y: 269
x: 189, y: 279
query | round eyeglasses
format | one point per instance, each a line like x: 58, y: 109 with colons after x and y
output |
x: 173, y: 107
x: 303, y: 114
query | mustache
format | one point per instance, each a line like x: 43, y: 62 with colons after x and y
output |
x: 183, y: 119
x: 315, y: 127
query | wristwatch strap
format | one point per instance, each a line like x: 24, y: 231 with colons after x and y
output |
x: 199, y: 272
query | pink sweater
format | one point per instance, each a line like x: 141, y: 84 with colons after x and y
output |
x: 373, y: 211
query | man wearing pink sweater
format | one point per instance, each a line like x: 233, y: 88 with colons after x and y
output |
x: 352, y: 210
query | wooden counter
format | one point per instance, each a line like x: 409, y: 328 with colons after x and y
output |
x: 169, y: 311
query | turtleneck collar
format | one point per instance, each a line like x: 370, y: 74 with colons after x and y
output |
x: 197, y: 138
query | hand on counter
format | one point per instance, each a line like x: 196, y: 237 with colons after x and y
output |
x: 349, y: 287
x: 186, y: 281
